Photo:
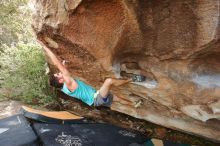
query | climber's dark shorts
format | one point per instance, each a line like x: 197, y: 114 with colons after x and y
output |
x: 100, y: 101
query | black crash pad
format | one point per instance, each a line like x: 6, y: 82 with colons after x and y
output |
x: 88, y: 134
x: 16, y: 131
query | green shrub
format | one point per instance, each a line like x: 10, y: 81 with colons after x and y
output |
x: 23, y: 74
x: 15, y: 22
x: 22, y: 64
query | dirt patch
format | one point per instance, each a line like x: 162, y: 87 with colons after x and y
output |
x: 9, y: 108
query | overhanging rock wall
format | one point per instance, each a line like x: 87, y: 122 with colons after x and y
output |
x: 174, y: 43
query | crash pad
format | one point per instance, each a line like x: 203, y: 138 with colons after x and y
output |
x: 88, y: 134
x: 16, y: 131
x: 50, y: 116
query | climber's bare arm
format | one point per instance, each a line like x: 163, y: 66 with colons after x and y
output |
x: 71, y: 84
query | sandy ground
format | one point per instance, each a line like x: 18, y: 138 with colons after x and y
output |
x: 8, y: 108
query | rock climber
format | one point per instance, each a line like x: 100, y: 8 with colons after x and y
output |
x: 82, y: 91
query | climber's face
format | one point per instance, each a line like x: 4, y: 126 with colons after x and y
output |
x: 59, y: 77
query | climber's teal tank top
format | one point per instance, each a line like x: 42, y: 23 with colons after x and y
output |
x: 83, y: 92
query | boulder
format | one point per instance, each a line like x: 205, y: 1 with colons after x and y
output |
x: 174, y: 44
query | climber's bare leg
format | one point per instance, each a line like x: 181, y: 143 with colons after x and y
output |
x: 119, y: 82
x: 104, y: 90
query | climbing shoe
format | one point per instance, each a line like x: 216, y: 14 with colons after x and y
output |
x: 138, y: 78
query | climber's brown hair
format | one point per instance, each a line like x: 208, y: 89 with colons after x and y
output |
x: 54, y: 81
